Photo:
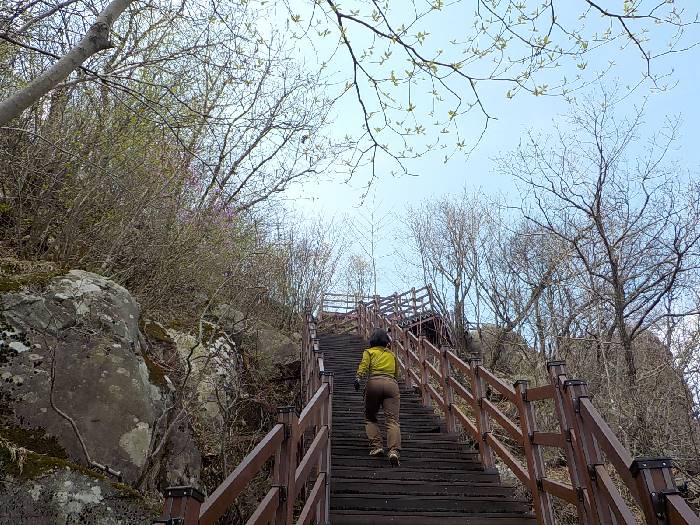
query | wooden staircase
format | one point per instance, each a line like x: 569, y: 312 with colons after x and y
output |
x: 322, y: 474
x: 440, y: 481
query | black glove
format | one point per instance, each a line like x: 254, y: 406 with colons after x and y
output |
x: 356, y: 384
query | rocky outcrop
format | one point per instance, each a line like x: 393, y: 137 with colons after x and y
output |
x: 83, y: 385
x: 68, y: 496
x: 230, y: 319
x: 214, y: 369
x: 277, y: 348
x: 71, y: 366
x: 280, y: 349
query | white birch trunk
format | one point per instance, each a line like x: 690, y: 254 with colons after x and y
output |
x: 96, y: 39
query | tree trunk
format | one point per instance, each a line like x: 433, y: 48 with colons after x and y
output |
x: 96, y: 39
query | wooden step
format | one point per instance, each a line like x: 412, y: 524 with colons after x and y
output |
x: 387, y: 472
x: 430, y: 503
x: 357, y: 517
x: 408, y: 451
x: 455, y: 488
x: 420, y: 463
x: 410, y: 441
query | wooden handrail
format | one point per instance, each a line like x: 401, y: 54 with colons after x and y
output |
x: 508, y: 458
x: 617, y: 503
x: 499, y: 385
x: 548, y: 439
x: 267, y: 508
x: 226, y: 493
x: 505, y: 423
x: 307, y: 512
x: 310, y: 458
x: 614, y: 450
x: 583, y: 435
x: 560, y: 490
x: 436, y: 397
x: 431, y: 348
x: 540, y: 393
x: 313, y: 407
x: 465, y: 422
x: 433, y: 371
x: 679, y: 513
x: 462, y: 391
x: 458, y: 363
x: 282, y: 443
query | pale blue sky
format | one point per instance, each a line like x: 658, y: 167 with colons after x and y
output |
x: 331, y: 197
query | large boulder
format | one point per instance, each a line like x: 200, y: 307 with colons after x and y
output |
x: 214, y: 367
x: 229, y: 319
x: 277, y: 346
x: 501, y: 349
x: 71, y: 366
x: 69, y: 496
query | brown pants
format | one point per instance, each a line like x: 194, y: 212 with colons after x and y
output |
x: 382, y: 391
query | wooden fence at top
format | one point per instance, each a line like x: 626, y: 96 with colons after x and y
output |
x: 588, y: 443
x: 409, y: 309
x: 301, y: 447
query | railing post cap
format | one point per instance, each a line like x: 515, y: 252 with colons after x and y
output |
x: 555, y: 362
x: 574, y: 382
x: 184, y: 491
x: 327, y: 373
x: 523, y: 382
x: 473, y: 358
x: 642, y: 463
x: 286, y: 409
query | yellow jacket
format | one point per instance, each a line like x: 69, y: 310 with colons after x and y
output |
x: 378, y: 360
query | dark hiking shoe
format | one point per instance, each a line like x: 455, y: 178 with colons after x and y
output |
x: 394, y: 458
x: 379, y: 451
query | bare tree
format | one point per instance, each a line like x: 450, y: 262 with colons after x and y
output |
x: 631, y: 224
x: 448, y: 235
x: 358, y: 277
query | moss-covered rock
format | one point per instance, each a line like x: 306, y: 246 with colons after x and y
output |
x: 45, y: 490
x: 82, y: 333
x: 34, y: 439
x: 16, y: 274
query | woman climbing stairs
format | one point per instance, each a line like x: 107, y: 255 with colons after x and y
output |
x: 439, y: 481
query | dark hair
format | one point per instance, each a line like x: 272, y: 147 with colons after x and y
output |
x: 379, y: 338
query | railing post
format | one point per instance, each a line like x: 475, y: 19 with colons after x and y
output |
x: 406, y: 344
x: 587, y: 449
x: 315, y: 379
x: 182, y: 506
x: 413, y: 301
x: 285, y: 466
x: 533, y: 453
x: 304, y: 354
x: 577, y: 472
x: 483, y: 425
x: 654, y: 480
x: 447, y: 392
x: 425, y: 394
x: 360, y: 319
x: 323, y: 515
